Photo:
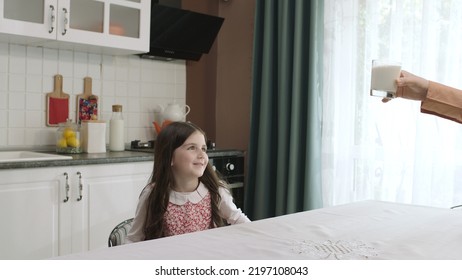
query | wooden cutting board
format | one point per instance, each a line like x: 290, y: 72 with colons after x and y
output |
x: 57, y: 103
x: 87, y: 103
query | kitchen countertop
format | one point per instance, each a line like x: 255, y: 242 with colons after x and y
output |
x: 103, y: 158
x: 83, y: 159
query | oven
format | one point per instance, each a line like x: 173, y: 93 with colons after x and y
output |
x: 229, y: 165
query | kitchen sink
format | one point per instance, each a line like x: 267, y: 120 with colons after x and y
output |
x: 15, y: 156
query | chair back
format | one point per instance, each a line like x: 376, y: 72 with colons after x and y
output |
x: 118, y: 234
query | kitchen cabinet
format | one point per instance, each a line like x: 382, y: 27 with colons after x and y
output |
x: 29, y: 214
x: 49, y: 212
x: 101, y: 26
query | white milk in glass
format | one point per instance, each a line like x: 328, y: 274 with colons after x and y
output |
x: 383, y: 78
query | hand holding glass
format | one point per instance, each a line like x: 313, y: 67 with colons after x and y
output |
x: 383, y: 78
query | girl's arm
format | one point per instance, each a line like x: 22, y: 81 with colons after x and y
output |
x: 229, y: 210
x: 136, y: 233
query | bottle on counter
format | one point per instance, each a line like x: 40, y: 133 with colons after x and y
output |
x: 116, y: 129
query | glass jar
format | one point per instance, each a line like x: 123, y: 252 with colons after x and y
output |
x: 68, y: 138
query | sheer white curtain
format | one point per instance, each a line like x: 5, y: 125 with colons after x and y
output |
x: 390, y: 152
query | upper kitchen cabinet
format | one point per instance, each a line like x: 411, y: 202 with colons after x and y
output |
x: 99, y: 26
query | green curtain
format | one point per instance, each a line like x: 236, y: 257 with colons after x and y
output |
x: 284, y: 157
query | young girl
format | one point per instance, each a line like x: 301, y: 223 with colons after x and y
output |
x: 185, y: 194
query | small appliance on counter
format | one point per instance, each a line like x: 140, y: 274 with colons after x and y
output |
x: 138, y: 146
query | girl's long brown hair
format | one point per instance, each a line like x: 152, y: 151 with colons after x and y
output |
x: 170, y: 138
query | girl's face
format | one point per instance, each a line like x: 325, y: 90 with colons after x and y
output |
x: 190, y: 159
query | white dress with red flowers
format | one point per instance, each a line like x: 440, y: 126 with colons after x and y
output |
x: 186, y: 212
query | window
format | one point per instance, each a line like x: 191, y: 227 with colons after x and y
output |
x: 390, y: 152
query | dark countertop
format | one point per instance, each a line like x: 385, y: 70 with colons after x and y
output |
x: 83, y: 159
x: 103, y: 158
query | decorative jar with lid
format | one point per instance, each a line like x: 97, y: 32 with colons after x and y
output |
x: 68, y: 138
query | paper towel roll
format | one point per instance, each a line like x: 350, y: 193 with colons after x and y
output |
x: 93, y: 136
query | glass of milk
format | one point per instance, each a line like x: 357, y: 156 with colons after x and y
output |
x: 383, y: 78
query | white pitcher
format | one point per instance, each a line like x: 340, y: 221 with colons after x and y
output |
x: 175, y: 112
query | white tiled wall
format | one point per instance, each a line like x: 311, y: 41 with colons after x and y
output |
x: 26, y: 75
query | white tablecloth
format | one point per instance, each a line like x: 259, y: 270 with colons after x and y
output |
x: 361, y: 230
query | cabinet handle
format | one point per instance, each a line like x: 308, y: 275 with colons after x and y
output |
x: 67, y: 187
x: 66, y: 21
x: 80, y: 186
x: 52, y: 19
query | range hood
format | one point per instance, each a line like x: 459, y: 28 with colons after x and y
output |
x: 180, y: 34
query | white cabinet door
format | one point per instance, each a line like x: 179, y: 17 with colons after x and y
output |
x: 109, y: 26
x: 116, y: 24
x: 30, y: 214
x: 28, y: 20
x: 71, y: 208
x: 111, y: 196
x: 101, y: 196
x: 42, y: 218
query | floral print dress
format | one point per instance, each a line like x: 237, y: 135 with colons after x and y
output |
x: 188, y: 212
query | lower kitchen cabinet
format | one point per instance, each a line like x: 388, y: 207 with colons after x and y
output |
x: 29, y: 214
x: 48, y: 212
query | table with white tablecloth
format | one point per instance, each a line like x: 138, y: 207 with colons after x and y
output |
x: 360, y: 230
